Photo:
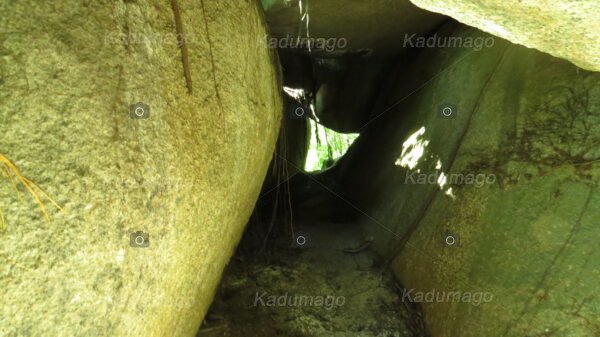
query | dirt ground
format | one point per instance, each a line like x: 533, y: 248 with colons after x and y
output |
x: 327, y: 285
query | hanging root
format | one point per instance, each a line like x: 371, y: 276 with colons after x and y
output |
x: 11, y: 172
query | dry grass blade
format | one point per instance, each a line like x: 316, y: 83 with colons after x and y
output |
x: 13, y: 173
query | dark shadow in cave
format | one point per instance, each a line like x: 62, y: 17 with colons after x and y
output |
x: 305, y: 265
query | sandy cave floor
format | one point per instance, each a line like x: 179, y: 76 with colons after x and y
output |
x: 323, y: 266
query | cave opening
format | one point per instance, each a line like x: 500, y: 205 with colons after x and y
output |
x: 308, y: 262
x: 326, y: 146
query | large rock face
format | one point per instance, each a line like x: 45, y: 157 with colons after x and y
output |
x: 564, y: 28
x: 511, y: 249
x: 188, y: 175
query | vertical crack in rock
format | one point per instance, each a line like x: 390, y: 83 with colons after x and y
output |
x: 182, y: 45
x: 212, y: 58
x: 118, y: 101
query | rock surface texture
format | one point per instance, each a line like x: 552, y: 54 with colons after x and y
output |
x: 491, y: 213
x: 563, y: 28
x: 188, y: 175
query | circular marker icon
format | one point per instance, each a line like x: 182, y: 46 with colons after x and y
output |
x: 297, y: 110
x: 139, y: 239
x: 451, y: 239
x: 447, y: 111
x: 300, y: 240
x: 139, y: 111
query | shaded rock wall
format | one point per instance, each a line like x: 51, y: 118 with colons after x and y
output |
x: 511, y: 179
x: 188, y: 175
x: 373, y: 27
x: 353, y: 46
x: 348, y: 89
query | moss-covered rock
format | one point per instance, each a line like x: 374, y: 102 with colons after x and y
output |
x: 188, y: 175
